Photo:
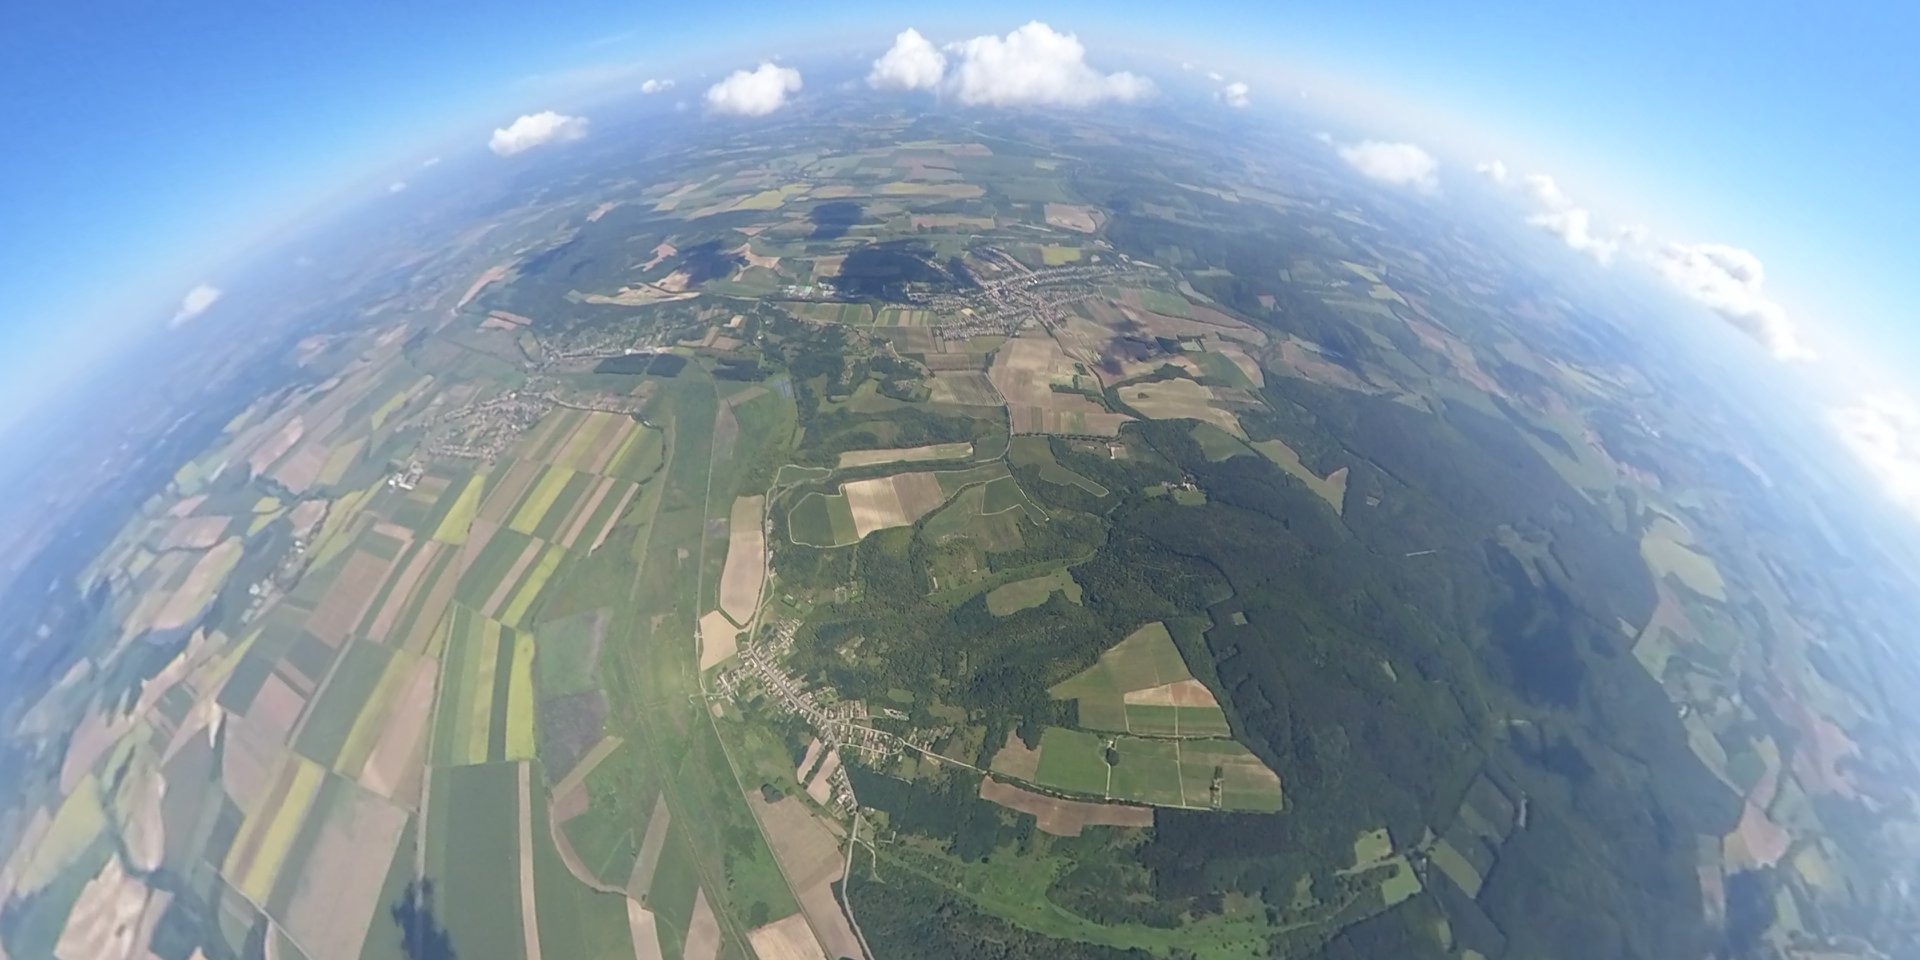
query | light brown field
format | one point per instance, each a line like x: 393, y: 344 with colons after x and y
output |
x: 1179, y: 399
x: 507, y: 493
x: 602, y: 210
x: 614, y: 517
x: 588, y: 505
x: 1180, y: 693
x: 1073, y: 216
x: 186, y: 507
x: 195, y: 533
x: 660, y: 253
x: 1024, y: 371
x: 1063, y: 818
x: 1016, y: 759
x: 820, y: 788
x: 402, y: 591
x: 806, y: 762
x: 1332, y: 488
x: 879, y: 503
x: 504, y: 589
x: 337, y: 893
x: 719, y: 638
x: 703, y: 931
x: 301, y: 469
x: 209, y: 573
x: 809, y: 855
x: 106, y: 921
x: 646, y: 934
x: 391, y: 764
x: 248, y: 761
x: 276, y: 446
x: 1757, y: 843
x: 337, y: 613
x: 96, y: 734
x: 967, y: 388
x: 276, y: 707
x: 937, y: 451
x: 640, y: 881
x: 480, y: 283
x: 789, y: 939
x: 746, y: 568
x: 1303, y: 360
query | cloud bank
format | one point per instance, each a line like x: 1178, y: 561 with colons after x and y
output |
x: 1561, y: 217
x: 1401, y: 164
x: 536, y: 129
x: 754, y: 93
x: 652, y: 86
x: 1034, y: 65
x: 195, y: 303
x: 1882, y: 430
x: 1731, y: 282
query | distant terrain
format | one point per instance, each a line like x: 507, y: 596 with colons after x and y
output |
x: 956, y: 537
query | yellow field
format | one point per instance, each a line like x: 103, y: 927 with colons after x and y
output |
x: 480, y: 712
x: 1054, y: 255
x: 541, y: 499
x: 339, y: 461
x: 276, y: 829
x: 80, y: 818
x: 373, y: 716
x: 328, y: 542
x: 937, y: 451
x: 771, y: 199
x: 386, y: 409
x: 536, y: 582
x: 453, y: 527
x: 520, y: 700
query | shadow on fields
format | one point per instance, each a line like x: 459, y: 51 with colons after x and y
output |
x: 833, y: 219
x: 421, y: 935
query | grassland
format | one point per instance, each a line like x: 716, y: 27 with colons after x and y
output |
x: 1019, y: 595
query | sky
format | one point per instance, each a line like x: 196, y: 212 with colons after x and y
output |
x: 1758, y: 155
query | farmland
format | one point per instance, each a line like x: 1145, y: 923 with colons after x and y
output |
x: 941, y: 540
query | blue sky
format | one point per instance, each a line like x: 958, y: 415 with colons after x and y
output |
x: 148, y: 142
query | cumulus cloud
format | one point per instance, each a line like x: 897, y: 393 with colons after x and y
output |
x: 1233, y: 95
x: 1401, y: 164
x: 754, y: 93
x: 195, y: 303
x: 536, y: 129
x: 1493, y: 170
x: 912, y: 63
x: 652, y: 86
x: 1731, y: 282
x: 1882, y: 430
x: 1571, y: 223
x: 1035, y: 65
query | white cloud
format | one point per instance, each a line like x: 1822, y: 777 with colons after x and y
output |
x: 1562, y: 218
x: 1882, y: 430
x: 912, y: 63
x: 1323, y: 137
x: 429, y: 162
x: 754, y: 93
x: 1035, y: 66
x: 1186, y: 66
x: 1233, y: 95
x: 396, y: 186
x: 1215, y: 76
x: 535, y: 129
x: 1731, y: 282
x: 195, y: 303
x: 652, y: 86
x: 1493, y: 170
x: 1401, y: 164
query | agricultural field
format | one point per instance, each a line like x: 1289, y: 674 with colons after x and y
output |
x: 1143, y: 686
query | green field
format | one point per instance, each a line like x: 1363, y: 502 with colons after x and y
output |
x: 822, y: 520
x: 332, y: 715
x: 1037, y: 452
x: 1019, y: 595
x: 1073, y: 761
x: 473, y: 859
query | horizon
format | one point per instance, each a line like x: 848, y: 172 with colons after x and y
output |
x: 1663, y: 188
